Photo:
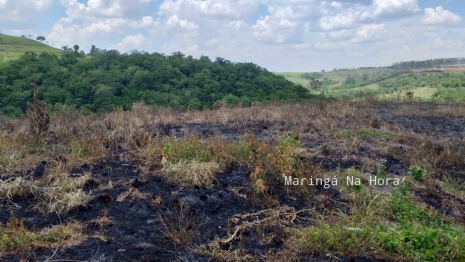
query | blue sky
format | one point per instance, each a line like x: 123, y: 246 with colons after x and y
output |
x: 280, y: 35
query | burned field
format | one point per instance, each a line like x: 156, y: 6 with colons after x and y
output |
x: 159, y: 185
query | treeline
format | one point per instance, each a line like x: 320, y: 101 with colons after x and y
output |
x: 441, y: 62
x: 311, y: 75
x: 431, y: 78
x: 106, y: 79
x: 367, y: 78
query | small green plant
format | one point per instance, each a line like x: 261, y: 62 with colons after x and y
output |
x: 366, y: 133
x: 280, y: 160
x: 242, y: 151
x: 190, y: 149
x: 381, y: 170
x: 354, y: 174
x: 16, y: 237
x: 417, y: 173
x: 409, y: 95
x: 190, y: 162
x: 391, y: 225
x: 288, y: 142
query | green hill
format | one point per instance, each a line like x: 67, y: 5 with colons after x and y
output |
x: 105, y: 79
x: 13, y: 47
x: 445, y: 84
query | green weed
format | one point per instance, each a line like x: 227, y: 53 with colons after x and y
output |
x: 417, y: 173
x: 190, y: 149
x: 388, y: 226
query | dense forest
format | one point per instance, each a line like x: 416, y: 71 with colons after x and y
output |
x: 103, y: 79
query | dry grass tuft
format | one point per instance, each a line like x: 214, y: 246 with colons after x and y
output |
x: 63, y: 195
x: 134, y: 194
x: 38, y: 117
x: 181, y: 226
x: 15, y: 237
x: 264, y: 226
x: 60, y: 196
x: 191, y: 172
x: 103, y: 221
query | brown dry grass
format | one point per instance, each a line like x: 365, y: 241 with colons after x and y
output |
x: 84, y: 139
x: 181, y: 226
x: 332, y: 132
x: 58, y: 196
x: 191, y: 173
x: 17, y: 238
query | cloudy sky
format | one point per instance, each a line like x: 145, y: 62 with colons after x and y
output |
x: 280, y: 35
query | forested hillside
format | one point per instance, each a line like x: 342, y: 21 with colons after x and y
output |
x: 104, y: 79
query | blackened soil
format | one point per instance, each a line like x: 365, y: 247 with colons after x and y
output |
x: 265, y: 130
x: 136, y: 232
x: 441, y: 129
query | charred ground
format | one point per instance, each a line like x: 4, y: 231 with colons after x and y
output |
x: 131, y: 199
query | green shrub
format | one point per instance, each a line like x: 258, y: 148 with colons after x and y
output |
x: 417, y: 173
x: 191, y: 149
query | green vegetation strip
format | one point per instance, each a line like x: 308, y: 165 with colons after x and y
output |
x: 433, y: 84
x: 104, y: 80
x: 364, y: 134
x: 396, y: 227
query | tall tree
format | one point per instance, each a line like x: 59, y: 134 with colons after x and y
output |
x: 40, y: 38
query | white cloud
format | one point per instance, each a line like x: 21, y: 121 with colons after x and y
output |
x: 302, y: 46
x: 147, y: 22
x: 336, y: 4
x: 369, y: 33
x: 302, y: 9
x: 191, y: 49
x: 211, y: 42
x: 298, y: 32
x: 355, y: 14
x: 22, y: 10
x: 105, y: 8
x: 395, y: 7
x: 130, y: 42
x: 340, y: 21
x: 439, y: 16
x: 441, y: 43
x: 329, y: 45
x: 347, y: 38
x: 182, y: 25
x: 66, y: 32
x: 216, y: 9
x: 340, y: 34
x: 101, y: 21
x: 273, y: 30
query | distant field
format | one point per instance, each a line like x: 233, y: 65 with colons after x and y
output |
x: 12, y: 47
x: 424, y: 93
x: 443, y: 85
x: 295, y: 78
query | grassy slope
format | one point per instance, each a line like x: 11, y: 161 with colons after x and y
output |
x: 12, y: 47
x: 340, y: 91
x: 295, y: 78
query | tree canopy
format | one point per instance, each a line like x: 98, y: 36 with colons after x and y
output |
x: 106, y: 79
x: 40, y: 38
